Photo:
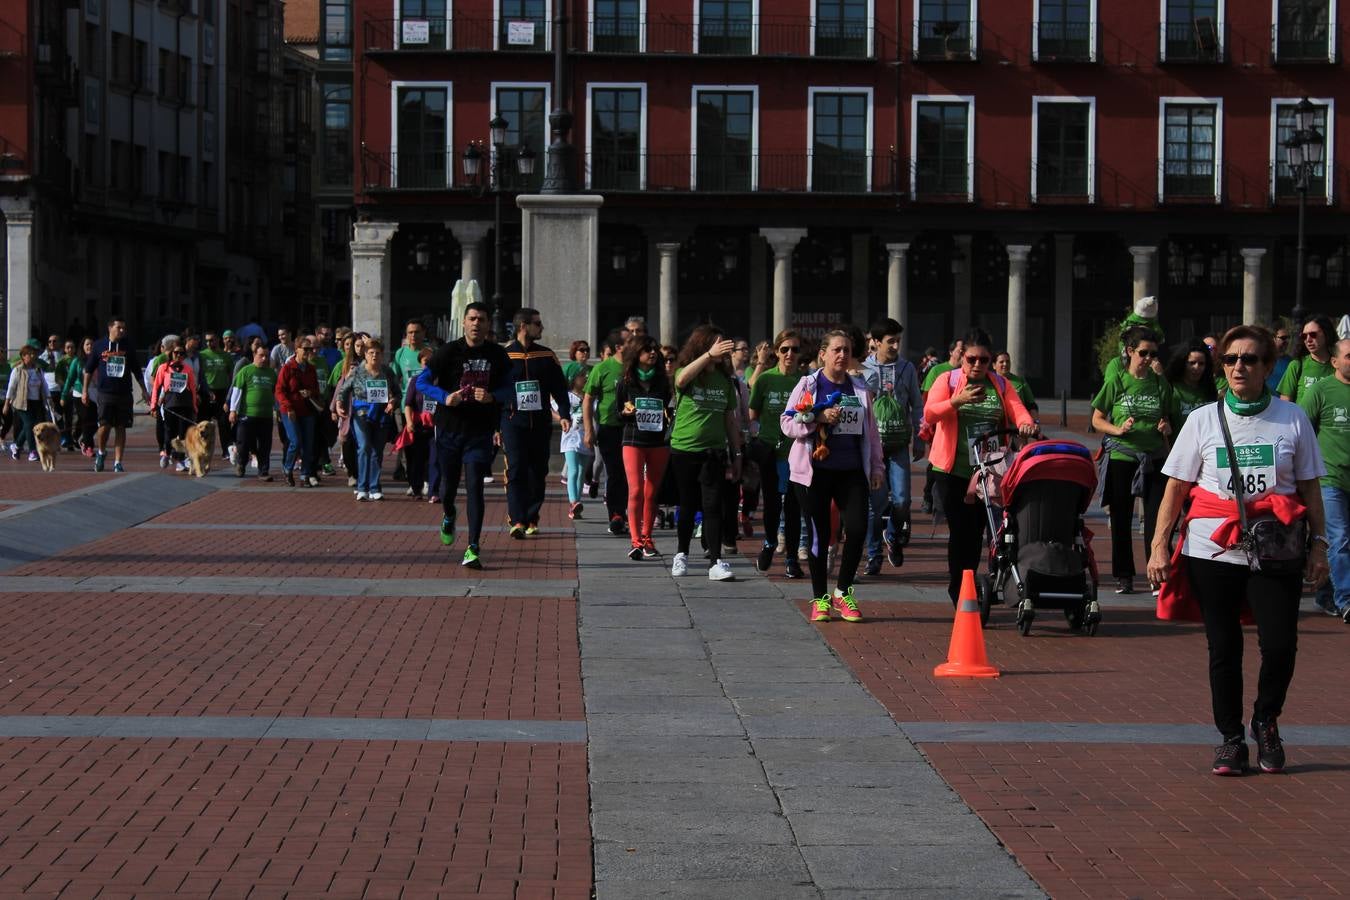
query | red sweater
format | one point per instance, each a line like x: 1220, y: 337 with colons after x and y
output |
x: 291, y: 380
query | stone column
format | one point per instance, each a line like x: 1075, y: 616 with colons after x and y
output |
x: 963, y: 287
x: 470, y: 236
x: 560, y: 243
x: 1251, y: 284
x: 1063, y: 338
x: 668, y: 266
x: 897, y: 286
x: 1017, y: 304
x: 782, y: 241
x: 1144, y: 283
x: 19, y: 269
x: 372, y: 309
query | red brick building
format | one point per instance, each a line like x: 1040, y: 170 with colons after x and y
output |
x: 1037, y: 163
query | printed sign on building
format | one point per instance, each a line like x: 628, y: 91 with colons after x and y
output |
x: 520, y: 34
x: 416, y: 31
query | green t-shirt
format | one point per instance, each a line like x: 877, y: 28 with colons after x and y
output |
x: 1327, y: 404
x: 1148, y: 400
x: 323, y: 371
x: 406, y: 364
x: 258, y: 388
x: 768, y: 398
x: 700, y: 414
x: 335, y: 376
x: 215, y: 369
x: 1301, y: 375
x: 972, y: 420
x: 1023, y: 390
x: 600, y: 385
x: 1185, y: 400
x: 934, y: 374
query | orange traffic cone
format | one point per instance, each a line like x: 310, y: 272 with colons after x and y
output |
x: 965, y: 655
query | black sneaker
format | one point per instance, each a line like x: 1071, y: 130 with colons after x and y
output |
x: 895, y: 553
x: 290, y: 478
x: 1269, y: 747
x: 616, y: 526
x: 765, y: 559
x: 794, y: 568
x: 635, y: 553
x: 1345, y: 616
x: 592, y: 490
x: 873, y: 567
x: 1230, y: 757
x: 1124, y: 585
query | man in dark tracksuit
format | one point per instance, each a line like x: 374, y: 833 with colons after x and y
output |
x: 527, y: 420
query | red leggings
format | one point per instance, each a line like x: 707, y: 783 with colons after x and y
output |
x: 642, y: 488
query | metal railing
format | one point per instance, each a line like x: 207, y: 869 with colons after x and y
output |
x: 434, y: 170
x: 1199, y: 41
x: 675, y: 34
x: 1064, y: 41
x: 1303, y: 42
x: 945, y: 184
x: 951, y: 40
x: 1062, y: 181
x: 1190, y: 182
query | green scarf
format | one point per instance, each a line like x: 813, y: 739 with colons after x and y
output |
x: 1242, y: 407
x: 645, y: 374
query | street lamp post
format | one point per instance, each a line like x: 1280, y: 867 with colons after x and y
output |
x: 1303, y: 152
x: 472, y: 162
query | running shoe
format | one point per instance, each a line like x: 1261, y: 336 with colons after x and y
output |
x: 681, y: 564
x: 575, y: 511
x: 532, y: 529
x: 518, y: 532
x: 649, y: 551
x: 163, y: 460
x: 233, y: 453
x: 616, y: 526
x: 721, y: 571
x: 117, y: 466
x: 32, y: 456
x: 376, y: 495
x: 290, y: 477
x: 14, y: 452
x: 410, y: 492
x: 820, y: 609
x: 182, y: 467
x: 313, y: 482
x: 1269, y: 747
x: 1230, y: 757
x: 895, y: 553
x: 846, y: 605
x: 470, y: 560
x: 448, y: 529
x: 1124, y: 585
x: 635, y: 552
x: 328, y: 469
x: 765, y: 558
x: 794, y: 568
x: 362, y: 496
x: 873, y: 567
x: 351, y: 481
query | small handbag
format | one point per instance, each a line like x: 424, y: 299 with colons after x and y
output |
x: 1270, y: 545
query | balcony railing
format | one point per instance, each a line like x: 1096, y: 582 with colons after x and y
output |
x: 1198, y: 41
x: 1062, y: 181
x: 672, y: 34
x: 1303, y: 42
x: 1284, y: 187
x: 950, y: 40
x: 1194, y: 182
x: 1065, y: 42
x: 941, y: 184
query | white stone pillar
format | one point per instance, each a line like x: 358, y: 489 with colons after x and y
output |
x: 963, y: 287
x: 470, y: 236
x: 560, y: 246
x: 19, y: 269
x: 1063, y: 339
x: 1251, y: 284
x: 782, y: 241
x: 1016, y: 344
x: 669, y: 315
x: 372, y: 309
x: 1144, y: 284
x: 897, y: 286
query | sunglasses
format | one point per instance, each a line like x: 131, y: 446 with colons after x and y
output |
x: 1147, y: 354
x: 179, y: 353
x: 1310, y: 334
x: 1248, y: 359
x: 305, y: 347
x: 786, y: 348
x: 977, y: 360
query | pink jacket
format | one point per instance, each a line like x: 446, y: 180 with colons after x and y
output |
x: 938, y: 409
x: 799, y: 455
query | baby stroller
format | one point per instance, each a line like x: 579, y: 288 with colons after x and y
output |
x: 1040, y: 554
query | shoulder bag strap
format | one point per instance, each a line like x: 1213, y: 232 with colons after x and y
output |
x: 1233, y: 464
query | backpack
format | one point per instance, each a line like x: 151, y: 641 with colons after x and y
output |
x: 892, y: 423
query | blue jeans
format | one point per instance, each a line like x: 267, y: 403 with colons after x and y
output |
x: 890, y: 503
x: 1336, y: 502
x: 369, y: 452
x: 470, y: 454
x: 299, y: 439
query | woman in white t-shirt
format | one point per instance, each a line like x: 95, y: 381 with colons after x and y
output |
x: 1279, y: 463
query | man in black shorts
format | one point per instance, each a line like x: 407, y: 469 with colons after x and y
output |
x: 110, y: 370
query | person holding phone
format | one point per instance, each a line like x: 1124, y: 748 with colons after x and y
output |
x: 1134, y: 410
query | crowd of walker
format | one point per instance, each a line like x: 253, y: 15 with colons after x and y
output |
x: 1236, y: 449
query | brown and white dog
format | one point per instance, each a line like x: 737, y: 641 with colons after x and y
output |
x: 47, y: 437
x: 200, y: 445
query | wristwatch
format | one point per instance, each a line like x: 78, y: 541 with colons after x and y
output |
x: 1321, y: 539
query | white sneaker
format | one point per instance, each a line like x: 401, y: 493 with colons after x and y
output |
x: 234, y: 454
x: 803, y: 555
x: 376, y: 495
x: 410, y: 492
x: 681, y: 564
x: 313, y: 481
x: 721, y: 571
x: 362, y: 495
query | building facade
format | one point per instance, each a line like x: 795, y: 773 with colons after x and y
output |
x: 1029, y: 166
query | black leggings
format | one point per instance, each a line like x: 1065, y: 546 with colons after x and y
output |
x: 848, y: 490
x: 781, y: 508
x: 1119, y: 474
x: 700, y: 479
x: 1273, y: 597
x: 966, y: 524
x: 609, y: 441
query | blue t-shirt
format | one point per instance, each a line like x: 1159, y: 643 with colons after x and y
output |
x: 1276, y: 374
x: 332, y: 355
x: 845, y: 449
x: 115, y: 365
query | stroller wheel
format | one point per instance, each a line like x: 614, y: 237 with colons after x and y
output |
x: 984, y: 595
x: 1025, y: 616
x: 1092, y: 617
x: 1075, y: 617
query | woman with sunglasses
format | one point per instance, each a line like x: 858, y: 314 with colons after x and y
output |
x: 1190, y: 372
x: 173, y: 398
x: 965, y: 405
x: 772, y: 386
x: 1312, y: 358
x: 1208, y: 576
x: 1134, y: 411
x: 577, y: 360
x: 641, y: 397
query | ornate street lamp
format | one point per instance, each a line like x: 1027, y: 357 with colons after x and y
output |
x: 472, y: 162
x: 1303, y: 152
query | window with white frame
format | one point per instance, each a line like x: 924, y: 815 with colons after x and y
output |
x: 423, y: 24
x: 616, y: 26
x: 1284, y: 184
x: 525, y: 109
x: 942, y: 148
x: 945, y: 29
x: 841, y: 128
x: 522, y: 25
x: 724, y: 135
x: 726, y: 27
x: 421, y: 153
x: 843, y: 28
x: 1305, y: 30
x: 614, y: 156
x: 1063, y: 148
x: 1065, y: 30
x: 1191, y: 149
x: 1192, y: 30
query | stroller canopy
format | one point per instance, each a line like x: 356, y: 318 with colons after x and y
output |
x: 1052, y: 461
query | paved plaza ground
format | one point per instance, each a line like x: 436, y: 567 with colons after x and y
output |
x: 223, y: 688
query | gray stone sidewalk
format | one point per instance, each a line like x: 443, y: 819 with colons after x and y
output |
x: 732, y: 754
